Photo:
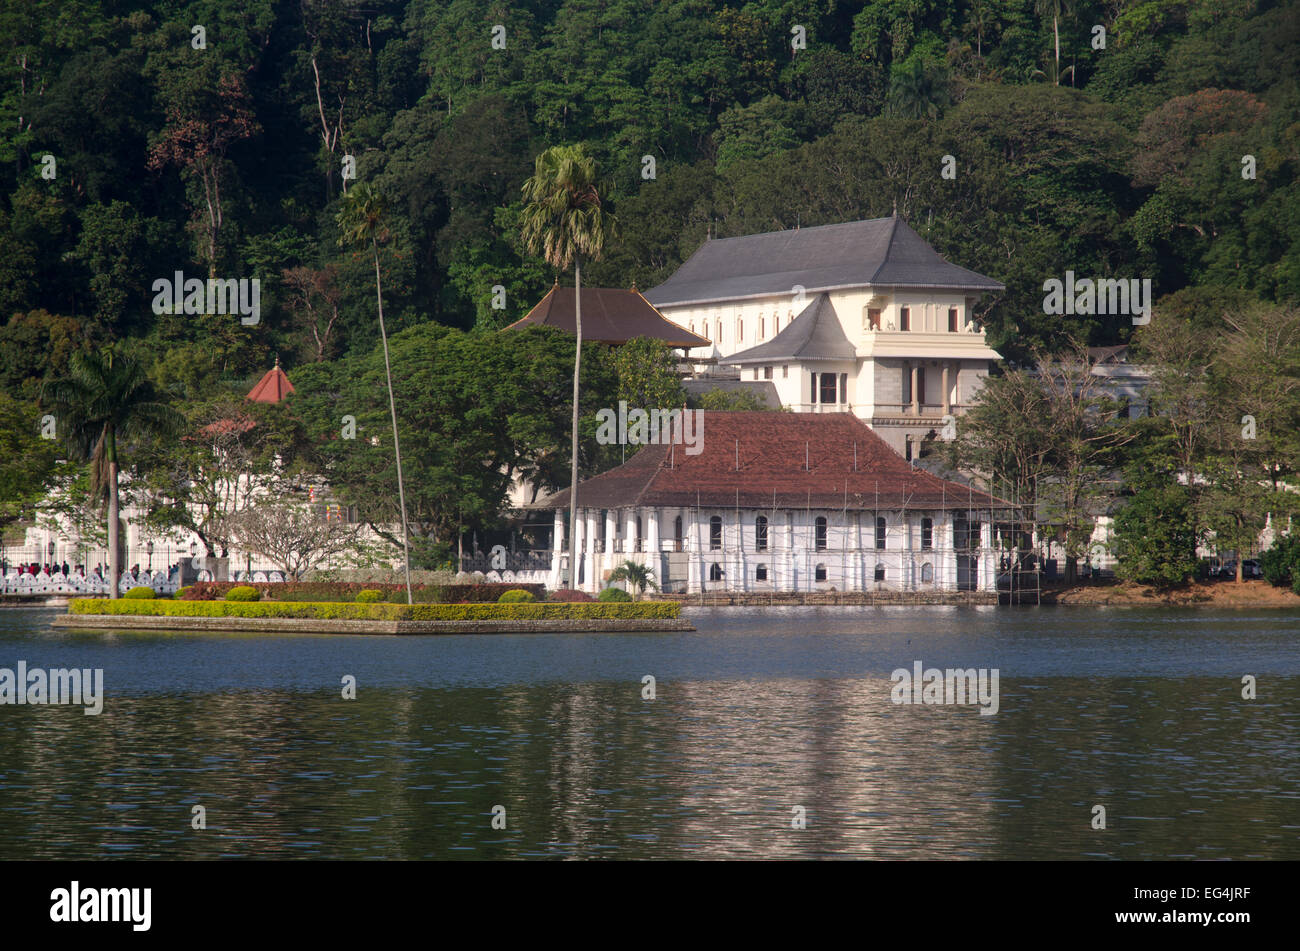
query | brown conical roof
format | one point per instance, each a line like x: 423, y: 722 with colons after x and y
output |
x: 271, y: 388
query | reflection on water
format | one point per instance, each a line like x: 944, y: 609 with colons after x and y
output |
x: 756, y: 714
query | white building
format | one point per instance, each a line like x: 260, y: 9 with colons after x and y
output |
x: 781, y: 502
x: 863, y: 317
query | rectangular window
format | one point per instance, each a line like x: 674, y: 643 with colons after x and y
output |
x: 785, y: 373
x: 952, y: 320
x: 844, y: 387
x: 905, y: 319
x: 767, y: 373
x: 828, y: 388
x: 880, y: 533
x: 813, y: 386
x: 873, y: 318
x: 927, y: 534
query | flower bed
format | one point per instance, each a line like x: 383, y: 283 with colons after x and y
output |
x: 320, y: 591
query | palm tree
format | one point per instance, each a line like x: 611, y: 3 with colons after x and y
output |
x: 638, y: 576
x: 564, y: 222
x: 1056, y: 8
x: 361, y: 219
x: 980, y: 19
x: 919, y: 91
x: 108, y: 395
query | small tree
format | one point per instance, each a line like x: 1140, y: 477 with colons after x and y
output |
x: 638, y: 576
x: 293, y: 537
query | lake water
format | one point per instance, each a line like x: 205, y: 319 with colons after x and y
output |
x: 762, y: 718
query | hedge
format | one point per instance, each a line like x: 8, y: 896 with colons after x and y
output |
x: 347, y: 611
x: 318, y: 591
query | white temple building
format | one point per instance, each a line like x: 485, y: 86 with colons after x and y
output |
x: 781, y: 502
x: 863, y: 317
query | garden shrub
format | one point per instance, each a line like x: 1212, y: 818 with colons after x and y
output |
x: 243, y: 593
x: 369, y: 596
x: 317, y: 591
x: 613, y: 595
x: 570, y: 596
x: 516, y: 596
x: 141, y: 592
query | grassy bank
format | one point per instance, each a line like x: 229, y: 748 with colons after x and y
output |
x: 344, y: 611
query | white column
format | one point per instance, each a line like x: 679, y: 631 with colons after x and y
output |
x: 593, y: 560
x: 557, y: 549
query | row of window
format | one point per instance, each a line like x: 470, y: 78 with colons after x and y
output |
x: 819, y: 573
x: 819, y: 533
x: 761, y: 533
x: 905, y: 318
x: 873, y: 322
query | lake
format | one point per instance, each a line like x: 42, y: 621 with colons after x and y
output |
x: 772, y: 734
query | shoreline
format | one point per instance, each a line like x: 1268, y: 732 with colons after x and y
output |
x: 128, y: 622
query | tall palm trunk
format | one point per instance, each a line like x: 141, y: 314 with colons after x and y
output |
x: 573, y: 473
x: 392, y: 408
x: 114, y: 559
x: 1056, y: 33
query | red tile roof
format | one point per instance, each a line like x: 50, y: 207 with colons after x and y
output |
x: 771, y: 449
x: 272, y: 388
x: 609, y: 315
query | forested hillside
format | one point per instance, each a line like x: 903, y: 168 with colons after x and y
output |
x: 229, y: 160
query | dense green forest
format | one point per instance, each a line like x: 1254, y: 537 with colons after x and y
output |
x: 1127, y: 138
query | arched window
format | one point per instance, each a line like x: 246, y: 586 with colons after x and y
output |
x: 880, y: 532
x: 927, y: 573
x: 820, y: 573
x: 715, y: 572
x: 927, y: 533
x: 715, y: 533
x: 760, y: 533
x: 820, y: 533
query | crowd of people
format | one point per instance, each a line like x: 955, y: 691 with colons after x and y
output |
x: 53, y: 570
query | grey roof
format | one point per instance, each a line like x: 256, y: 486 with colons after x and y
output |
x: 765, y: 390
x: 880, y: 252
x: 815, y: 334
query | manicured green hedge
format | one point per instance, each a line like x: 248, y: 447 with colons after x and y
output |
x: 243, y: 592
x: 543, y: 611
x: 326, y: 610
x: 140, y: 593
x: 316, y: 591
x: 342, y: 610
